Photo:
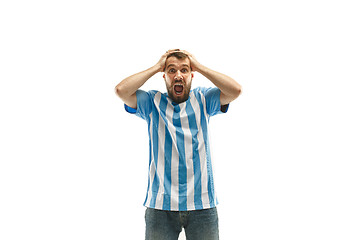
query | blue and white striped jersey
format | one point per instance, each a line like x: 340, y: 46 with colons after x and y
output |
x: 180, y: 168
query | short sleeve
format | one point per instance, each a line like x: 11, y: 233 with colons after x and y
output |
x: 213, y: 105
x: 143, y: 105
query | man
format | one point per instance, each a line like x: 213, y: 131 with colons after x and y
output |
x: 180, y: 188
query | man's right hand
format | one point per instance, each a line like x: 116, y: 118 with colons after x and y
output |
x: 161, y: 63
x: 127, y: 88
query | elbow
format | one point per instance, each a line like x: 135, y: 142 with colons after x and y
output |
x: 120, y: 91
x: 231, y: 95
x: 237, y: 90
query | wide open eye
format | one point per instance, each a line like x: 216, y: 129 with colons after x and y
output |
x: 172, y: 70
x: 184, y: 70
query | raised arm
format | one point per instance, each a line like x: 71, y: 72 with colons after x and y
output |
x: 229, y: 88
x: 127, y: 88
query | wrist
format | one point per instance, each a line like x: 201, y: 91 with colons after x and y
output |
x: 199, y: 68
x: 157, y: 68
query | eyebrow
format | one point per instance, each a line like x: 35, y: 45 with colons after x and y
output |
x: 183, y: 65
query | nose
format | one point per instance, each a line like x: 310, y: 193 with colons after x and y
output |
x: 178, y: 75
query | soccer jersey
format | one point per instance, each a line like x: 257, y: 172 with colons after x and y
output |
x: 180, y: 166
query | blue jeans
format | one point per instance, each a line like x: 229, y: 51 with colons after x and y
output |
x: 167, y: 225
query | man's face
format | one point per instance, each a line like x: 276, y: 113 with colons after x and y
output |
x: 178, y: 78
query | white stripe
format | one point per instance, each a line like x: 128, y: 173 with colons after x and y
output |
x: 161, y: 155
x: 188, y: 156
x: 174, y: 200
x: 202, y: 153
x: 151, y: 167
x: 212, y: 166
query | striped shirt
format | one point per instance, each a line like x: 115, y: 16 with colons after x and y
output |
x: 180, y: 169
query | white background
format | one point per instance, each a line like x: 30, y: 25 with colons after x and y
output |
x: 74, y: 163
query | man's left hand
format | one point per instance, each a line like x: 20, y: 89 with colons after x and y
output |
x: 193, y: 62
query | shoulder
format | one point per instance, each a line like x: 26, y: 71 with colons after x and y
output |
x: 206, y: 91
x: 200, y: 89
x: 149, y: 95
x: 153, y: 92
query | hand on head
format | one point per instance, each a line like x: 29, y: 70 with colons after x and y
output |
x: 162, y: 61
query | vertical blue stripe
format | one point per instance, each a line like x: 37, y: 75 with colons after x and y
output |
x: 167, y: 175
x: 203, y: 121
x: 196, y: 158
x: 167, y: 157
x: 182, y: 160
x: 155, y: 141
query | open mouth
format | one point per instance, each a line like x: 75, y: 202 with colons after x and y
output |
x: 178, y: 89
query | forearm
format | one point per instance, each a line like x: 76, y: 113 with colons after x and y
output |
x: 130, y: 85
x: 228, y: 86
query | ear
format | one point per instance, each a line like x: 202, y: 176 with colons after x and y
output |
x: 164, y: 75
x: 192, y: 75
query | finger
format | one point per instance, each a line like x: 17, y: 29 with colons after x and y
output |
x: 173, y: 50
x: 186, y: 52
